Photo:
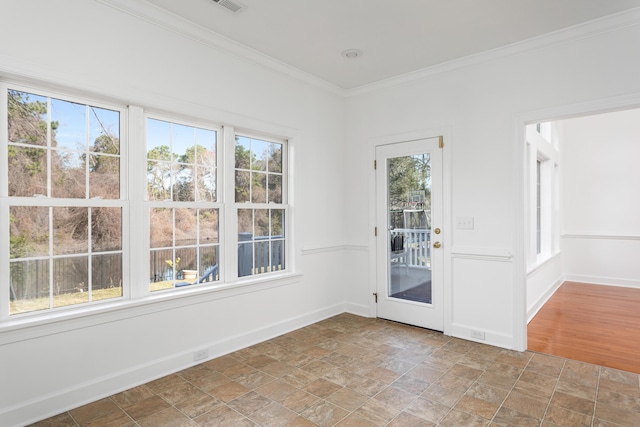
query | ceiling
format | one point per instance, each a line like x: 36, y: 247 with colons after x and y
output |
x: 395, y: 36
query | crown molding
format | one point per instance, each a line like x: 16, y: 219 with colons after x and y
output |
x: 150, y: 13
x: 571, y: 34
x: 169, y: 21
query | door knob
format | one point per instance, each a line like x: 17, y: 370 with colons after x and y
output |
x: 436, y: 245
x: 437, y: 231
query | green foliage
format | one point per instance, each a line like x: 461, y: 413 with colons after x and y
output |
x: 160, y: 153
x: 107, y: 165
x: 159, y: 173
x: 243, y: 157
x: 18, y: 103
x: 19, y: 245
x: 34, y: 168
x: 105, y: 144
x: 193, y: 155
x: 27, y: 119
x: 23, y: 239
x: 408, y: 174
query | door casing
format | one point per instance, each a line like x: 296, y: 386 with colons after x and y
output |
x: 445, y: 132
x: 427, y: 315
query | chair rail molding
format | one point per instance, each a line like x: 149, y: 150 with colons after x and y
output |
x: 600, y: 236
x: 482, y: 254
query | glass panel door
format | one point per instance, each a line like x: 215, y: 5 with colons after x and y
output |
x: 409, y: 254
x: 409, y: 227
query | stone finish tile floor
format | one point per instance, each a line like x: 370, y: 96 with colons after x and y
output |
x: 350, y: 371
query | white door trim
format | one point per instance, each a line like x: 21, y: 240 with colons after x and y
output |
x: 447, y: 222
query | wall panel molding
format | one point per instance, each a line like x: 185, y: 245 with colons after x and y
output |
x: 601, y: 236
x: 482, y: 254
x: 332, y: 247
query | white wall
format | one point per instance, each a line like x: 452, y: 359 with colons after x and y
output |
x: 89, y: 47
x: 483, y: 105
x: 601, y: 207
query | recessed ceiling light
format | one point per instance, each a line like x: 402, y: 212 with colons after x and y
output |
x: 352, y: 53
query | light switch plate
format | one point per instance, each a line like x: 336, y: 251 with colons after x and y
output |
x: 464, y: 222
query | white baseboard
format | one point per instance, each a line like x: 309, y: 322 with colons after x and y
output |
x: 358, y: 309
x: 537, y: 305
x: 494, y: 338
x: 601, y: 280
x: 595, y: 280
x: 66, y: 399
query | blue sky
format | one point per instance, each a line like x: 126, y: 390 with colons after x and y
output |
x: 73, y: 128
x: 178, y: 137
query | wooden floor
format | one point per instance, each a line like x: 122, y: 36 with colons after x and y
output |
x: 590, y: 323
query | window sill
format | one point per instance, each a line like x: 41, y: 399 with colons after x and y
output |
x: 38, y: 325
x: 541, y: 262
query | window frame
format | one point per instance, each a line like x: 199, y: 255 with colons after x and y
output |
x: 232, y: 207
x: 542, y: 171
x: 174, y: 204
x: 49, y: 201
x: 136, y: 298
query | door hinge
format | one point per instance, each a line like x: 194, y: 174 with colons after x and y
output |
x: 440, y: 142
x: 375, y: 295
x: 375, y: 231
x: 375, y: 164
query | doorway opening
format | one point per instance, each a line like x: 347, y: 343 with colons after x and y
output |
x: 582, y: 220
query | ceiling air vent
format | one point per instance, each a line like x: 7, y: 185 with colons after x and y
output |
x: 231, y: 6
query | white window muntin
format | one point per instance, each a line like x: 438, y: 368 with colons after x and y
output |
x: 132, y: 122
x: 49, y: 201
x: 89, y: 102
x: 177, y: 204
x: 254, y: 206
x: 267, y: 138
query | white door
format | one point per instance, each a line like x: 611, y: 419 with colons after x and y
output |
x: 409, y: 255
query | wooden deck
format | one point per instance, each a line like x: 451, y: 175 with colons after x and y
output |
x: 410, y: 283
x: 591, y: 323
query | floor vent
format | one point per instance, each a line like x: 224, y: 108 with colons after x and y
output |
x: 232, y: 6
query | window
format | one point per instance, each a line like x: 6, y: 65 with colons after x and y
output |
x: 538, y: 207
x: 260, y: 197
x: 88, y: 217
x: 64, y: 202
x: 183, y: 213
x: 543, y: 158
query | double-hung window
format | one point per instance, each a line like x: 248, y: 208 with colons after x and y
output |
x: 87, y: 217
x: 64, y: 195
x: 260, y: 196
x: 182, y: 182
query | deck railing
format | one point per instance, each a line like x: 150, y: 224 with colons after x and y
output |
x: 256, y: 255
x: 31, y: 279
x: 417, y: 246
x: 259, y: 254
